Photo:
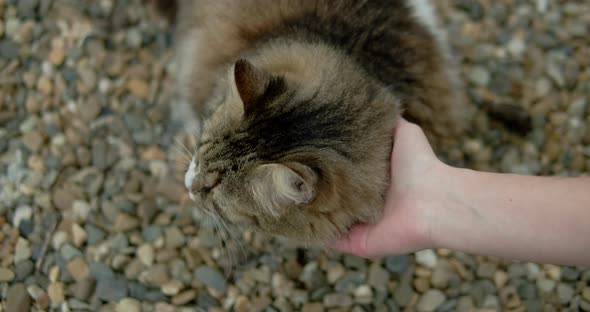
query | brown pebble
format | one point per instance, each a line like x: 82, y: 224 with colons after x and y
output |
x: 139, y: 88
x: 17, y: 299
x: 78, y: 269
x: 56, y: 56
x: 45, y: 86
x: 184, y: 297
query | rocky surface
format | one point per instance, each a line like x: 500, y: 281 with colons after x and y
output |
x: 93, y: 215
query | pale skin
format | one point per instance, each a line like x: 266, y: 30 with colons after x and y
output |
x: 433, y: 205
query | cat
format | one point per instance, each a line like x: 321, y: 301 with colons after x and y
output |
x: 294, y: 103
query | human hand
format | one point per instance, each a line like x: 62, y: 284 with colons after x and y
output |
x: 416, y: 177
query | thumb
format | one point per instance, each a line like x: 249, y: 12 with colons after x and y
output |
x: 355, y: 241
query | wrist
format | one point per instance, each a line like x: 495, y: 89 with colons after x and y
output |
x: 442, y: 205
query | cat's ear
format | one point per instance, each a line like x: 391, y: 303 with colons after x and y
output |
x: 253, y: 84
x: 279, y: 186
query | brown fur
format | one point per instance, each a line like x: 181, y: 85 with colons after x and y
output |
x: 297, y: 135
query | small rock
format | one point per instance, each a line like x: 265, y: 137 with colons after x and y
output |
x: 6, y: 275
x: 139, y: 88
x: 500, y: 279
x: 22, y: 213
x: 403, y: 293
x: 174, y: 238
x: 33, y: 140
x: 146, y: 254
x: 431, y: 300
x: 111, y: 290
x: 22, y: 250
x: 80, y: 210
x: 17, y: 299
x: 24, y: 269
x: 479, y: 76
x: 312, y: 307
x: 83, y: 289
x: 427, y: 258
x: 156, y: 275
x: 79, y: 235
x: 211, y: 278
x: 125, y: 222
x: 378, y: 277
x: 363, y: 294
x: 565, y: 293
x: 184, y: 297
x: 546, y: 285
x: 487, y: 270
x: 172, y: 288
x: 56, y: 56
x: 586, y: 294
x: 9, y: 49
x: 55, y: 291
x: 397, y: 264
x: 69, y: 252
x: 78, y: 269
x: 128, y: 305
x: 337, y: 300
x: 94, y: 234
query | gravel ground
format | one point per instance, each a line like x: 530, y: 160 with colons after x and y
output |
x: 93, y: 215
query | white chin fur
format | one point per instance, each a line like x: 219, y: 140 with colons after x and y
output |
x: 189, y: 176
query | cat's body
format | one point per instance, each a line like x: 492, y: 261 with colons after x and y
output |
x: 298, y: 133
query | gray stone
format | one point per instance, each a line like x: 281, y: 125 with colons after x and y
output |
x: 403, y: 293
x: 337, y: 300
x: 533, y: 306
x: 26, y: 8
x: 565, y: 293
x: 479, y: 76
x: 206, y: 302
x: 111, y: 289
x: 69, y: 252
x: 354, y: 262
x: 8, y: 49
x: 23, y: 269
x: 527, y: 291
x: 378, y: 277
x: 211, y: 278
x: 431, y: 300
x: 397, y: 264
x: 569, y: 274
x: 152, y: 233
x: 312, y: 276
x: 83, y: 289
x: 94, y: 234
x: 100, y: 271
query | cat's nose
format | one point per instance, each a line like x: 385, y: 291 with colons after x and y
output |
x: 189, y: 177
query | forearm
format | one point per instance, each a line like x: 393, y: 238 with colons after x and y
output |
x: 515, y: 217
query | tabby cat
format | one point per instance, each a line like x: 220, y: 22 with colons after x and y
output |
x: 294, y: 103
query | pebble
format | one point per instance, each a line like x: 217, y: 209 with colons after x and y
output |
x: 337, y: 300
x: 22, y: 250
x: 184, y: 297
x: 6, y: 275
x: 83, y: 289
x: 139, y: 88
x: 111, y: 289
x: 565, y: 293
x: 128, y: 305
x: 480, y: 76
x: 56, y: 294
x: 211, y: 278
x: 172, y: 288
x: 17, y: 299
x: 174, y: 238
x: 146, y: 254
x: 397, y: 264
x: 78, y: 269
x: 586, y: 293
x: 430, y: 301
x: 22, y: 213
x: 427, y: 258
x: 24, y: 269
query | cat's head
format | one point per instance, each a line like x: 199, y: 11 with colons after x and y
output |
x: 274, y: 157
